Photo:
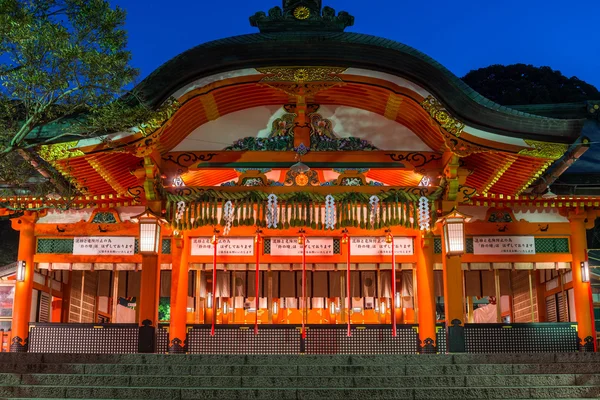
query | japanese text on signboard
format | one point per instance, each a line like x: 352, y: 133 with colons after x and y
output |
x: 234, y: 246
x: 289, y: 246
x: 103, y: 245
x: 503, y: 245
x: 376, y: 246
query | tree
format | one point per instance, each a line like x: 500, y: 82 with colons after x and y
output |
x: 521, y: 84
x: 63, y: 67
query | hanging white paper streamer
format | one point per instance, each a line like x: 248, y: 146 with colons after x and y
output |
x: 227, y: 217
x: 329, y: 212
x: 424, y: 218
x: 374, y: 201
x: 180, y: 211
x: 272, y: 213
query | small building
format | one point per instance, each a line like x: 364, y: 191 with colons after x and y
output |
x: 309, y: 190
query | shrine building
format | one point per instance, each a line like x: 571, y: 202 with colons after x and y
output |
x: 308, y: 190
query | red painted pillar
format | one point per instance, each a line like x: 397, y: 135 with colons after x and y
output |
x: 179, y: 294
x: 425, y: 290
x: 581, y: 290
x: 23, y: 290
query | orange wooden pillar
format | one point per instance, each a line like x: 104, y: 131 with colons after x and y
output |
x: 179, y: 294
x: 581, y: 290
x: 149, y: 289
x: 425, y: 289
x: 453, y: 287
x: 148, y: 302
x: 23, y: 290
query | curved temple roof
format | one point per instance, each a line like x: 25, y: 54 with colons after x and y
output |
x: 304, y: 34
x: 344, y: 49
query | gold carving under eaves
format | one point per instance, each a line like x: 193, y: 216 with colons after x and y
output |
x: 552, y: 151
x: 60, y: 151
x: 442, y: 116
x: 283, y: 126
x: 301, y: 74
x: 309, y: 178
x: 305, y: 81
x: 459, y: 146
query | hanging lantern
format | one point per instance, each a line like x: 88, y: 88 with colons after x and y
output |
x: 21, y: 271
x: 454, y: 232
x: 585, y: 271
x: 345, y: 236
x: 388, y: 237
x: 149, y: 231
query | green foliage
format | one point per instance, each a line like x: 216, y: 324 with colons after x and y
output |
x: 521, y: 84
x: 274, y: 143
x: 164, y: 309
x: 286, y: 143
x: 324, y: 143
x: 63, y: 67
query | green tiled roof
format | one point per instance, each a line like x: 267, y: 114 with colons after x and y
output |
x: 360, y: 51
x: 356, y: 50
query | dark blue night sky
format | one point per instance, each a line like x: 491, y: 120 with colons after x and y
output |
x: 460, y: 34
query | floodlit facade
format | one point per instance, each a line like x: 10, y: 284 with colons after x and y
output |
x: 309, y: 190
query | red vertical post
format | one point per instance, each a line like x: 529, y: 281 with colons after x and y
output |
x: 348, y: 294
x: 214, y: 287
x: 591, y: 297
x: 304, y: 311
x: 394, y: 332
x: 257, y: 250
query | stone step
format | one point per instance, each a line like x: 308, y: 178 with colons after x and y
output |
x: 303, y: 370
x: 188, y: 359
x: 96, y: 392
x: 307, y: 382
x: 557, y: 368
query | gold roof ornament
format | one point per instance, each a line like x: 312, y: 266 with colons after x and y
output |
x: 302, y: 15
x: 302, y: 12
x: 304, y: 81
x: 301, y: 74
x: 552, y: 151
x: 442, y: 116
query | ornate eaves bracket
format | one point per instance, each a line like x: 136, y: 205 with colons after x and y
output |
x: 302, y: 81
x: 551, y: 151
x: 450, y: 128
x: 442, y: 116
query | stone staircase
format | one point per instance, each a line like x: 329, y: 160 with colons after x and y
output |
x: 458, y: 376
